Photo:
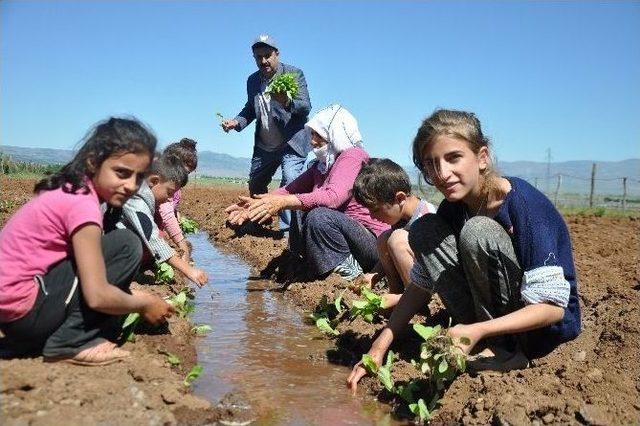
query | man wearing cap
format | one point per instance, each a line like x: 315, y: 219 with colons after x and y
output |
x: 280, y: 137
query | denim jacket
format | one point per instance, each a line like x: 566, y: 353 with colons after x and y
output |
x: 290, y: 121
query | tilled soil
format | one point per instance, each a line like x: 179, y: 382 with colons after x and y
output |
x: 594, y: 379
x: 142, y: 389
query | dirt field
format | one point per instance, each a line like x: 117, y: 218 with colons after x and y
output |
x: 592, y: 380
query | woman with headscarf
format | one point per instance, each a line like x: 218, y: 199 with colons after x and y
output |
x: 331, y: 230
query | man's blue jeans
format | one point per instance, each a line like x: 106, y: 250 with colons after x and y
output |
x: 264, y: 165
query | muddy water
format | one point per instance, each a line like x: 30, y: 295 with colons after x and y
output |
x: 263, y: 357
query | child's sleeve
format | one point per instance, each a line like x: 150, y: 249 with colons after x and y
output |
x: 543, y: 254
x: 170, y: 222
x: 137, y: 217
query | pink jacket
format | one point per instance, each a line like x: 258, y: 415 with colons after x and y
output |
x: 334, y: 189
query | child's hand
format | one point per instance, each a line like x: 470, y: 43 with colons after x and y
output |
x: 470, y: 331
x: 155, y: 310
x: 198, y: 276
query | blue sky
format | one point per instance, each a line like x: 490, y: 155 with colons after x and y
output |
x: 557, y: 75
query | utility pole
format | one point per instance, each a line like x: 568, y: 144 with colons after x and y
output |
x: 548, y: 169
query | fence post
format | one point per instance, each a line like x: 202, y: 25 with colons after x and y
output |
x: 593, y: 184
x: 624, y: 194
x: 555, y: 197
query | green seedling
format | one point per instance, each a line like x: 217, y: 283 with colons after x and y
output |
x: 420, y: 409
x: 286, y: 83
x: 383, y: 372
x: 188, y: 226
x: 164, y: 273
x: 192, y: 375
x: 440, y: 359
x: 172, y: 359
x: 201, y: 329
x: 326, y: 316
x: 368, y: 308
x: 220, y: 117
x: 182, y: 303
x: 129, y: 326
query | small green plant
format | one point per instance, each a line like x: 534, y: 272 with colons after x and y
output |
x: 220, y: 117
x: 164, y: 273
x: 201, y: 329
x: 188, y: 226
x: 129, y: 326
x: 285, y: 83
x: 440, y: 359
x: 192, y: 375
x: 173, y: 359
x: 183, y: 303
x: 383, y: 372
x: 368, y: 308
x: 327, y: 314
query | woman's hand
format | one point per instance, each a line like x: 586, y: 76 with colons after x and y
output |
x: 264, y: 206
x: 359, y: 371
x: 155, y: 310
x: 469, y: 331
x: 238, y: 212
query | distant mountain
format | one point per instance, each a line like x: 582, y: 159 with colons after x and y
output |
x: 576, y: 175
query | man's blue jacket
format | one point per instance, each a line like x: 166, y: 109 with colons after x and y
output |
x: 290, y: 121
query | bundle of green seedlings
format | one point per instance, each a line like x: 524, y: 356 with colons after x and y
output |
x: 327, y: 315
x: 188, y: 226
x: 441, y: 361
x: 285, y: 83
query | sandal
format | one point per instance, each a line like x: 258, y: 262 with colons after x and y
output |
x: 104, y: 353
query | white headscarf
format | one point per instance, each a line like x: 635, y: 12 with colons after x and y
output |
x: 339, y: 128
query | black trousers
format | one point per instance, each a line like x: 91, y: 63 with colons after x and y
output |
x: 60, y: 322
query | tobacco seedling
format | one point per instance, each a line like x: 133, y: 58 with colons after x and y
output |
x: 129, y: 326
x: 201, y: 329
x: 327, y: 315
x: 172, y: 359
x: 383, y: 372
x: 164, y: 273
x: 182, y: 303
x: 440, y: 359
x: 192, y: 375
x: 286, y: 83
x: 188, y: 226
x: 368, y: 308
x: 220, y: 117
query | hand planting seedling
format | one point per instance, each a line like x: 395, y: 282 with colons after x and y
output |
x: 327, y: 315
x: 367, y: 308
x: 192, y: 375
x: 164, y: 273
x: 440, y: 359
x: 182, y: 303
x: 188, y: 226
x: 201, y: 329
x: 286, y: 83
x: 383, y: 372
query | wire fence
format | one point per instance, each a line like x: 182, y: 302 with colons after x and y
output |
x: 578, y: 192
